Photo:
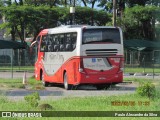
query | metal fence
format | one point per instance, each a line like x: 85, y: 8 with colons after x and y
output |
x: 144, y: 62
x: 18, y: 57
x: 23, y: 60
x: 13, y: 63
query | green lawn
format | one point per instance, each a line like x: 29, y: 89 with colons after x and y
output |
x: 17, y: 83
x: 102, y: 103
x: 17, y: 68
x: 141, y: 70
x: 97, y: 103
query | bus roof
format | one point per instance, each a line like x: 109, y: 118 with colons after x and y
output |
x: 84, y: 26
x: 75, y: 27
x: 43, y: 32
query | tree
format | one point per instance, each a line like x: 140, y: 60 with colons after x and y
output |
x: 33, y: 19
x: 50, y: 3
x: 85, y: 2
x: 138, y: 22
x: 132, y: 3
x: 83, y: 15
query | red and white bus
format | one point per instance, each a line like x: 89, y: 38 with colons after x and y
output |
x: 73, y: 55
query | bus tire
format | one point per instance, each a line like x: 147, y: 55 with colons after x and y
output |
x: 44, y: 83
x: 65, y: 81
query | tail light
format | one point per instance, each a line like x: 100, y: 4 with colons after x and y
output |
x: 81, y: 67
x: 122, y: 64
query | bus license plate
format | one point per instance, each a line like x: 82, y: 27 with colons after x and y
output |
x: 102, y: 78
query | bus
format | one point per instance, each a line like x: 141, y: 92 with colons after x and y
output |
x: 75, y: 55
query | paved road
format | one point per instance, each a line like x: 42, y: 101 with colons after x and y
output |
x: 60, y: 92
x: 9, y: 75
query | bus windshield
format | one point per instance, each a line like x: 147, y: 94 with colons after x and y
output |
x: 111, y: 35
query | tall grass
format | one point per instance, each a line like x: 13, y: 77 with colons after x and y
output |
x: 17, y: 83
x: 102, y: 103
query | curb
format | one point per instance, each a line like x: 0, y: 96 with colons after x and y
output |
x: 140, y: 74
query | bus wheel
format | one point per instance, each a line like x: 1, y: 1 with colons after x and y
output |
x: 66, y: 85
x: 44, y: 83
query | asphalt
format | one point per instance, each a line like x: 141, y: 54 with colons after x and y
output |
x: 15, y: 75
x: 57, y: 92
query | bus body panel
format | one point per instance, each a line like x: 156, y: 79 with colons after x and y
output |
x: 95, y: 63
x: 71, y: 66
x: 76, y: 78
x: 38, y: 63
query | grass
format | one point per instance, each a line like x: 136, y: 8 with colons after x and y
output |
x: 17, y: 83
x: 135, y: 79
x: 17, y: 68
x: 141, y: 70
x: 141, y: 80
x: 100, y: 103
x: 104, y: 103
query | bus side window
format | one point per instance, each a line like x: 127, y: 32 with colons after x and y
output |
x: 56, y: 41
x: 73, y: 40
x: 43, y: 44
x: 49, y: 44
x: 68, y: 42
x: 52, y: 42
x: 61, y: 41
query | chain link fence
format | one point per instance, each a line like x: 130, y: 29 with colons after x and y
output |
x: 14, y: 61
x: 142, y: 62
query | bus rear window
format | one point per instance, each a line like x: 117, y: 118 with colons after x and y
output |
x: 110, y: 35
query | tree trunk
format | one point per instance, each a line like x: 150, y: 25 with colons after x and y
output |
x: 13, y: 38
x: 84, y: 3
x: 93, y: 3
x: 153, y: 28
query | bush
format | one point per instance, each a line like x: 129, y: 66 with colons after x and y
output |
x: 147, y: 89
x: 33, y: 99
x: 43, y: 107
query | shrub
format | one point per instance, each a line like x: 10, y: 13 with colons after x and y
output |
x: 147, y: 89
x: 33, y: 99
x: 43, y: 107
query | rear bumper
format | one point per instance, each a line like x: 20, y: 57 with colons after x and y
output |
x: 100, y: 79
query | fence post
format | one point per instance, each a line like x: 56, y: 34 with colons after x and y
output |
x: 12, y: 63
x: 144, y: 64
x: 153, y: 66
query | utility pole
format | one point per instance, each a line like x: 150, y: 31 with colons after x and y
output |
x: 114, y: 12
x: 74, y: 5
x: 72, y: 12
